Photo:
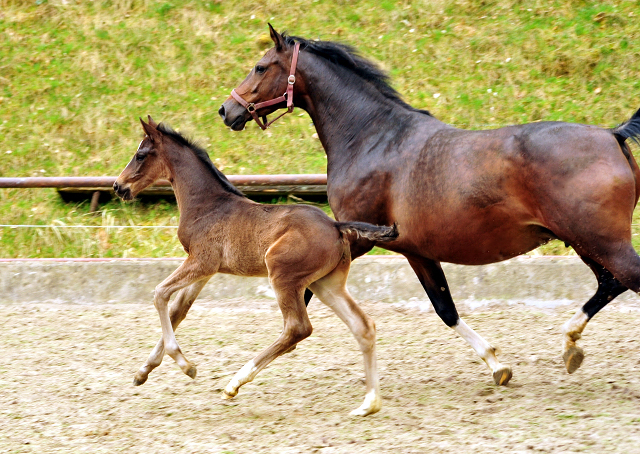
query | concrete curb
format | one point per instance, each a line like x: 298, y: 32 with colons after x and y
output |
x: 537, y: 281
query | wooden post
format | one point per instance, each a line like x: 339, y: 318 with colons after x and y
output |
x: 95, y: 198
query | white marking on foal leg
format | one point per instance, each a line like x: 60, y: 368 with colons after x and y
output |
x: 501, y: 373
x: 154, y: 360
x: 372, y: 404
x: 571, y: 332
x: 243, y: 376
x: 332, y: 291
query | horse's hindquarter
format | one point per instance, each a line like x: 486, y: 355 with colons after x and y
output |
x: 584, y: 184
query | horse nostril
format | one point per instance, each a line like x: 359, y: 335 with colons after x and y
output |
x: 115, y: 186
x: 221, y: 112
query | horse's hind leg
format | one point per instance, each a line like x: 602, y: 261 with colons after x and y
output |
x: 332, y: 291
x: 177, y: 312
x: 435, y: 284
x: 297, y: 327
x: 608, y: 288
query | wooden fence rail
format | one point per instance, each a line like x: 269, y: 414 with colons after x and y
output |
x: 314, y: 185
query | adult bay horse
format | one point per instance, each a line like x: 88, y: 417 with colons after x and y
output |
x: 296, y: 246
x: 466, y: 197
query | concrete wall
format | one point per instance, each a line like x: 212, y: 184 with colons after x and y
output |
x: 539, y: 281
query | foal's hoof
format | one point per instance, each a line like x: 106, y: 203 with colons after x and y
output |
x: 502, y: 376
x: 573, y: 358
x: 191, y: 371
x: 227, y: 395
x: 139, y: 380
x: 290, y: 349
x: 368, y: 407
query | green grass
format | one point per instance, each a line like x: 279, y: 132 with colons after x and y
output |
x: 75, y: 76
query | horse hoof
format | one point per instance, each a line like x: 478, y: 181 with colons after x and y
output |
x: 502, y: 376
x: 290, y: 350
x: 191, y: 371
x: 226, y: 396
x: 139, y: 380
x: 573, y: 358
x: 367, y: 410
x: 364, y: 411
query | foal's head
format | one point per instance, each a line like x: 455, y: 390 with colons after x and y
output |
x: 267, y: 80
x: 147, y: 165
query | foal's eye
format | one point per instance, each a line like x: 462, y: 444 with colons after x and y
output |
x: 140, y: 157
x: 260, y: 69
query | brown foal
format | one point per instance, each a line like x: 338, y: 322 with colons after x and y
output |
x: 296, y: 246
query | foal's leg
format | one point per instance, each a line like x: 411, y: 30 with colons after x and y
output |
x: 297, y: 327
x: 189, y: 272
x: 332, y: 291
x: 177, y: 312
x: 435, y: 284
x: 608, y: 288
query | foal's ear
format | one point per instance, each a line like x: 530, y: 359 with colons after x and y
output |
x: 277, y: 38
x: 151, y: 130
x: 151, y: 122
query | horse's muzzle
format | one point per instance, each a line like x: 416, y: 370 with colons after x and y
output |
x: 233, y: 115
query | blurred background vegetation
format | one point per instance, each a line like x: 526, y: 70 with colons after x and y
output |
x: 76, y: 75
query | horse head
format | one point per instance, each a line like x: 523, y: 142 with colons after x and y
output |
x: 146, y: 166
x: 267, y: 88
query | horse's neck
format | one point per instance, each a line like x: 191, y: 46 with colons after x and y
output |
x: 351, y: 117
x: 196, y: 188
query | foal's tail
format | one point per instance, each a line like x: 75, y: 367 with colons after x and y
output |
x: 630, y: 129
x: 356, y: 230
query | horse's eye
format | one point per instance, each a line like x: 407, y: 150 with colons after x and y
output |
x: 260, y: 69
x: 140, y: 157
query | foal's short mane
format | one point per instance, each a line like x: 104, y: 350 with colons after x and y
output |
x: 202, y: 155
x: 349, y: 58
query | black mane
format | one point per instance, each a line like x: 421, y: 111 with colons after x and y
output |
x: 202, y: 155
x: 348, y: 57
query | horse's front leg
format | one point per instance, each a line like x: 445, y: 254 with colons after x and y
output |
x: 191, y: 271
x: 297, y: 327
x: 435, y: 284
x: 177, y: 312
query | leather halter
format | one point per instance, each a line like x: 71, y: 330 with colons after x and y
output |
x: 287, y: 96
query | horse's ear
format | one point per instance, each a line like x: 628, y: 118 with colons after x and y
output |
x: 150, y: 129
x: 151, y: 122
x: 277, y: 38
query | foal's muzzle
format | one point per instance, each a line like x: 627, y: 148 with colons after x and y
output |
x: 122, y: 192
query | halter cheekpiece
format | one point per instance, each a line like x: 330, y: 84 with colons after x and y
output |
x: 287, y: 96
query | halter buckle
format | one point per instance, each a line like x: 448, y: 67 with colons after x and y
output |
x: 251, y: 107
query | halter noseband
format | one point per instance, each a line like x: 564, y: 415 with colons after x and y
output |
x: 287, y: 96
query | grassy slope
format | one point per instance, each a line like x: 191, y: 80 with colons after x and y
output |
x: 74, y: 77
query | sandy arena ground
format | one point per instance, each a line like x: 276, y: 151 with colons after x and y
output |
x: 66, y: 376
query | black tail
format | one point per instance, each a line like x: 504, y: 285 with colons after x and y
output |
x: 630, y: 129
x: 357, y: 230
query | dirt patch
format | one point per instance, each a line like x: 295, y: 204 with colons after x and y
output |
x: 66, y: 374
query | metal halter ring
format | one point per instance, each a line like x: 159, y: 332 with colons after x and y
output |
x: 251, y: 107
x: 291, y: 79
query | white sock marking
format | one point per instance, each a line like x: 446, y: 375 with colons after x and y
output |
x: 481, y: 346
x: 241, y: 377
